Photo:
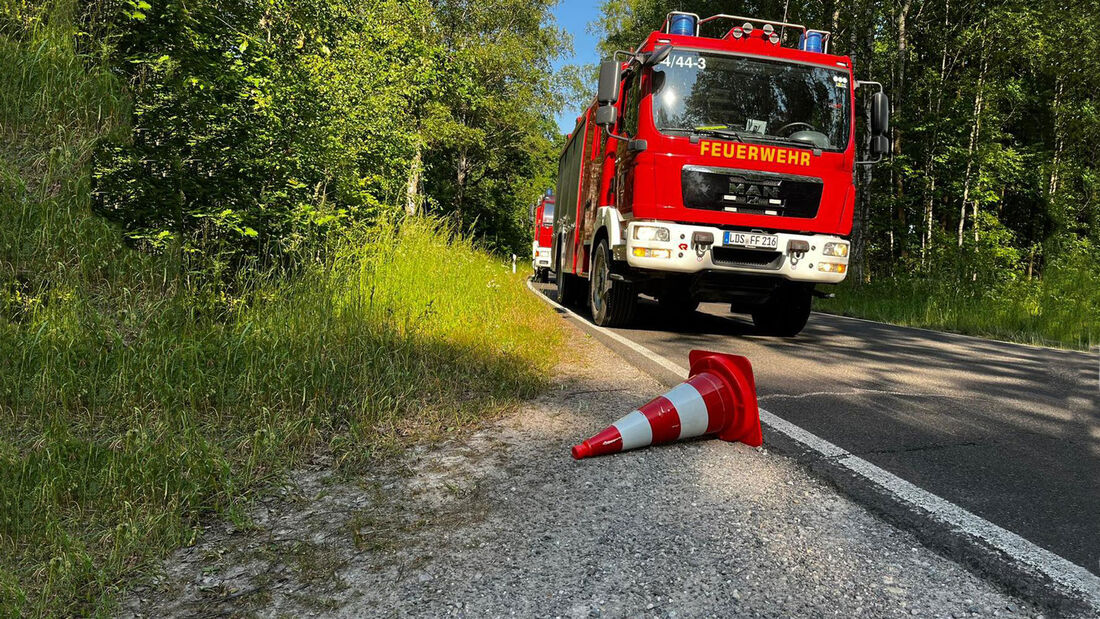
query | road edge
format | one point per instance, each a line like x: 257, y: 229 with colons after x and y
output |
x: 970, y: 540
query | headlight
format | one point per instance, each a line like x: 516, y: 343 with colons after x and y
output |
x: 650, y: 233
x: 840, y: 250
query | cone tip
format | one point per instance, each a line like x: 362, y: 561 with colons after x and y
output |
x: 581, y: 451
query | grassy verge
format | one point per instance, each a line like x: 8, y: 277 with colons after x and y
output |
x: 1062, y: 310
x: 135, y: 401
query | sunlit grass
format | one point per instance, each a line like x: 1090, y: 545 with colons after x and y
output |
x: 1062, y: 309
x: 123, y: 425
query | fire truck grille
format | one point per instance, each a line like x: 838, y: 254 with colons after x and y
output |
x: 746, y: 258
x: 755, y: 193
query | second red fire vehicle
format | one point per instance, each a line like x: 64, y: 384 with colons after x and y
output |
x: 543, y: 214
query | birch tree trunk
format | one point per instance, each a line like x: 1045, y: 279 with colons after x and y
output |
x: 461, y: 169
x: 900, y: 87
x: 412, y: 189
x: 978, y: 122
x: 1059, y: 140
x: 975, y: 131
x: 930, y: 161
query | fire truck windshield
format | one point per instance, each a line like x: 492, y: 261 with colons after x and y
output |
x: 751, y: 99
x: 548, y: 213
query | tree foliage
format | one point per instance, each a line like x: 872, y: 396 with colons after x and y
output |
x: 994, y: 175
x: 259, y: 126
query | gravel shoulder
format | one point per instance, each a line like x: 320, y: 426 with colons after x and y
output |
x: 502, y: 521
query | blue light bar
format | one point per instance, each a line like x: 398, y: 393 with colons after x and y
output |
x: 682, y: 24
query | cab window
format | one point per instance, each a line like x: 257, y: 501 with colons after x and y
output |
x: 631, y: 98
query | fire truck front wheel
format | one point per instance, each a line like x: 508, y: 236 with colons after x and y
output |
x: 612, y: 302
x: 786, y: 313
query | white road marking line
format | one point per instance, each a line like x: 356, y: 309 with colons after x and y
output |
x: 1066, y: 574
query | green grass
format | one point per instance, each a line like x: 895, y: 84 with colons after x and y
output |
x: 137, y: 398
x: 1061, y: 310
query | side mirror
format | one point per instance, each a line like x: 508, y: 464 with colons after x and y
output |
x: 657, y: 56
x: 610, y: 78
x: 880, y: 114
x: 880, y: 145
x: 606, y: 115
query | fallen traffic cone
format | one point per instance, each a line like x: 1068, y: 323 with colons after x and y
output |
x: 719, y: 397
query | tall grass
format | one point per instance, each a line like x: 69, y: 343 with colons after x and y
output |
x: 135, y: 402
x: 1062, y: 309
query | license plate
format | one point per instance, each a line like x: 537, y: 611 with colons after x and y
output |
x: 748, y: 239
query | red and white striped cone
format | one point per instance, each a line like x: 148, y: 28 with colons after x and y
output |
x: 719, y: 397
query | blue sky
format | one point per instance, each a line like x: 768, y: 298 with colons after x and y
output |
x: 574, y: 16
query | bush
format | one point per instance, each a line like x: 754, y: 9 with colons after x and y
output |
x: 258, y: 127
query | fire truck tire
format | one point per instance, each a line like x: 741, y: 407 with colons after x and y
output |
x: 570, y: 293
x: 785, y: 315
x: 612, y: 302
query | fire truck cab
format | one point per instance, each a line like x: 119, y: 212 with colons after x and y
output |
x: 543, y: 214
x: 713, y: 168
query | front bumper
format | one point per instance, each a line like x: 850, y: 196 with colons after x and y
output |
x: 686, y: 258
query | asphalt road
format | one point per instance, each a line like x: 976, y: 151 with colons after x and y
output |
x: 1008, y: 432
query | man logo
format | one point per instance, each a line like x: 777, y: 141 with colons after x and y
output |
x: 753, y: 193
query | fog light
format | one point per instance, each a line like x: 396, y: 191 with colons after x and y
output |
x: 832, y: 267
x: 650, y: 233
x: 840, y: 250
x: 646, y: 252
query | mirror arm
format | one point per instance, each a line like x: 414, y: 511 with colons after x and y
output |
x: 875, y: 84
x: 631, y: 143
x: 870, y: 162
x: 607, y: 132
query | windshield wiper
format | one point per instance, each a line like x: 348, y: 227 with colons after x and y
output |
x: 778, y: 138
x: 718, y: 132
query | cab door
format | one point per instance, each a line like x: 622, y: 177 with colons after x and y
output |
x: 625, y: 157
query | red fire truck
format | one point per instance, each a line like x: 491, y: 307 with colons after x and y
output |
x: 543, y: 213
x: 713, y: 168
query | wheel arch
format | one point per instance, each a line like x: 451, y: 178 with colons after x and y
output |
x: 609, y: 225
